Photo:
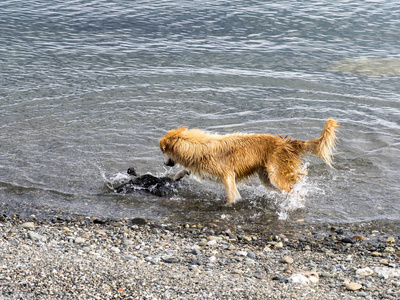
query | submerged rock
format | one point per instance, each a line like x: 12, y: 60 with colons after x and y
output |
x: 159, y: 186
x: 370, y: 67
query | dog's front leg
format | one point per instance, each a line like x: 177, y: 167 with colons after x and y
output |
x: 178, y: 176
x: 232, y: 194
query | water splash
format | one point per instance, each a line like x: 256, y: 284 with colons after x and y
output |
x: 297, y: 198
x: 292, y: 201
x: 114, y: 180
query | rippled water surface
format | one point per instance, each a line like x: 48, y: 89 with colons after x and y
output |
x: 87, y: 88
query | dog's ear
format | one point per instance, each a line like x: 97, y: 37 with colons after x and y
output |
x: 163, y: 144
x: 168, y: 140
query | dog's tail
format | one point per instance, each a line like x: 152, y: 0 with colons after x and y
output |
x: 325, y: 144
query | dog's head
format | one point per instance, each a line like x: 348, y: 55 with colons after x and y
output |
x: 167, y: 144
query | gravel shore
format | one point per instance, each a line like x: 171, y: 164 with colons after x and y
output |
x: 91, y: 258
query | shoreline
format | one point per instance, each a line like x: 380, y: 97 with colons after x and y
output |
x: 90, y: 258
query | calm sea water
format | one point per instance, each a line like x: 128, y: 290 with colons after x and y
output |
x: 87, y: 88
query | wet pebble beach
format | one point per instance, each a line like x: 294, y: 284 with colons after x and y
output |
x: 92, y: 258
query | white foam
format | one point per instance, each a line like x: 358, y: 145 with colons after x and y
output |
x: 119, y: 178
x: 114, y: 180
x: 296, y: 199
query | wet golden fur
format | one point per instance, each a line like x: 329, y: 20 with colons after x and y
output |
x: 233, y: 157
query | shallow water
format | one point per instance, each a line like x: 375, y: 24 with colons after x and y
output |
x: 88, y: 88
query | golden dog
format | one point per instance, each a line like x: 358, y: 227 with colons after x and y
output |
x: 233, y: 157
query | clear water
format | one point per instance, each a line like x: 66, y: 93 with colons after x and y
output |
x: 87, y: 88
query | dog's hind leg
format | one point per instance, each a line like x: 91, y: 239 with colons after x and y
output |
x: 232, y: 194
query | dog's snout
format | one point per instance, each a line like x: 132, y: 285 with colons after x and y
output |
x: 168, y: 161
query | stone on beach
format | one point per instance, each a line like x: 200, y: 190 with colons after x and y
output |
x: 115, y: 250
x: 128, y: 242
x: 287, y: 260
x: 304, y: 278
x: 171, y: 260
x: 28, y: 225
x: 389, y: 250
x: 139, y: 221
x: 390, y: 240
x: 211, y: 243
x: 359, y: 238
x: 36, y: 236
x: 241, y: 253
x: 387, y: 272
x: 364, y: 271
x: 384, y: 262
x: 352, y: 286
x: 80, y: 240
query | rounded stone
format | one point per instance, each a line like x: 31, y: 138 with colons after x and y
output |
x: 287, y: 260
x: 197, y: 262
x: 79, y: 240
x: 389, y: 250
x: 359, y: 238
x: 128, y: 242
x: 36, y: 236
x: 364, y: 271
x: 352, y: 286
x: 362, y: 294
x: 171, y: 260
x: 211, y: 243
x: 139, y: 221
x: 115, y: 250
x: 28, y: 225
x: 390, y: 240
x: 241, y: 253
